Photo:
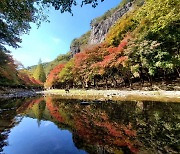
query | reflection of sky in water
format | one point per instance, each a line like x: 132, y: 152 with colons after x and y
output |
x: 47, y: 138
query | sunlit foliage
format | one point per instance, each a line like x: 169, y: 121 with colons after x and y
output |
x: 66, y: 74
x: 53, y: 75
x: 39, y: 73
x: 8, y: 72
x: 143, y: 44
x: 83, y: 69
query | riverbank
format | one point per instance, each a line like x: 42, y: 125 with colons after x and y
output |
x: 123, y: 95
x: 7, y: 92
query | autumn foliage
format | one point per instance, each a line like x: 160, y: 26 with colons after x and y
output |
x: 143, y: 45
x: 8, y: 71
x: 93, y: 62
x: 28, y: 80
x: 53, y: 110
x: 53, y: 75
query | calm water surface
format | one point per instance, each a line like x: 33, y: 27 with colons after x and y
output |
x: 49, y: 125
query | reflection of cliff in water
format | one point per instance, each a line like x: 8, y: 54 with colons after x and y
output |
x: 110, y: 127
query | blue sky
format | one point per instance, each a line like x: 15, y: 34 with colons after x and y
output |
x: 54, y: 38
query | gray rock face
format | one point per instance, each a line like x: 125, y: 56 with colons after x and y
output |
x: 99, y: 30
x: 74, y: 49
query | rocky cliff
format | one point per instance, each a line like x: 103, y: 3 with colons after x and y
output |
x: 78, y: 43
x: 100, y: 29
x: 74, y: 48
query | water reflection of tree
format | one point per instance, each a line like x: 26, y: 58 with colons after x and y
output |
x: 120, y: 126
x: 54, y: 110
x: 109, y: 127
x: 35, y: 109
x: 158, y: 127
x: 8, y: 119
x: 38, y: 110
x: 10, y: 111
x: 94, y: 128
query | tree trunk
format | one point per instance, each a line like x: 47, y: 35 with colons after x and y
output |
x: 115, y: 81
x: 178, y: 72
x: 94, y: 82
x: 164, y: 75
x: 106, y: 82
x: 150, y: 80
x: 141, y: 76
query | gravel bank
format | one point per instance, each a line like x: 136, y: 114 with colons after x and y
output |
x: 19, y: 94
x: 165, y: 96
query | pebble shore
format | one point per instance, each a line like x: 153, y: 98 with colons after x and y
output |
x: 136, y: 95
x: 123, y: 95
x: 20, y: 94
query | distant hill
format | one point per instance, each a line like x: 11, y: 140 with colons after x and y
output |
x: 48, y: 66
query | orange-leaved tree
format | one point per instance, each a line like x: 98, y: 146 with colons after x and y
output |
x: 53, y: 75
x: 83, y: 70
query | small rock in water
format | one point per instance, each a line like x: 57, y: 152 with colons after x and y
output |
x: 97, y: 101
x: 85, y: 103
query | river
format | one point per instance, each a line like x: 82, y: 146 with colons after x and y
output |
x: 51, y: 125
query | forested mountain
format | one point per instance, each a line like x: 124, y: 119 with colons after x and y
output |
x: 140, y: 45
x: 136, y: 42
x: 48, y: 66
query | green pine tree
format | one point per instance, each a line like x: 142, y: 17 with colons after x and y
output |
x: 39, y: 73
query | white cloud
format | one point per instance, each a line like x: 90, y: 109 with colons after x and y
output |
x: 47, y: 123
x: 57, y: 40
